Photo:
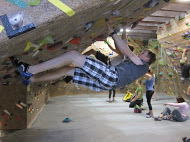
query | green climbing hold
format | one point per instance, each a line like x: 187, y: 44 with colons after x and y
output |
x: 155, y: 46
x: 161, y: 62
x: 152, y: 67
x: 160, y: 73
x: 170, y: 74
x: 47, y: 39
x: 34, y: 2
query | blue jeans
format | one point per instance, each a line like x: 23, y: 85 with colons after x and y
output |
x: 176, y: 114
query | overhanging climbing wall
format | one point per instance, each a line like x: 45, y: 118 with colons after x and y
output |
x: 47, y: 29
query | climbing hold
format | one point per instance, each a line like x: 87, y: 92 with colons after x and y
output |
x: 9, y: 30
x: 75, y: 41
x: 160, y: 74
x: 66, y: 120
x: 170, y: 74
x: 155, y: 46
x: 152, y: 67
x: 19, y: 106
x: 147, y: 9
x: 18, y: 3
x: 7, y: 112
x: 46, y: 40
x: 21, y: 103
x: 17, y: 20
x: 28, y: 88
x: 136, y: 10
x: 89, y: 25
x: 161, y: 62
x: 151, y: 4
x: 115, y: 13
x: 6, y: 116
x: 1, y: 28
x: 34, y: 2
x: 100, y: 23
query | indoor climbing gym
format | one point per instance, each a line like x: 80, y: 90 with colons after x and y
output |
x: 94, y: 70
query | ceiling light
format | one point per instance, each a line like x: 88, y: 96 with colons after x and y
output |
x: 127, y: 30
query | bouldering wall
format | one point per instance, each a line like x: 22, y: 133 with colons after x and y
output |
x: 172, y: 40
x: 19, y: 107
x: 37, y: 30
x: 13, y: 115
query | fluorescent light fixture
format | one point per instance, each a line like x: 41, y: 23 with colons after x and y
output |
x: 127, y: 30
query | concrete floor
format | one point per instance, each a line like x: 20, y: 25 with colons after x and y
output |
x: 95, y: 120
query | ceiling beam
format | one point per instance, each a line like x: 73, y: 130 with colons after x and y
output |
x: 153, y: 16
x: 167, y: 10
x: 147, y: 31
x: 151, y: 22
x: 146, y: 27
x: 143, y: 37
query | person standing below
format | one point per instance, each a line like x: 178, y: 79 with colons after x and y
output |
x: 138, y: 99
x: 185, y: 67
x: 149, y: 91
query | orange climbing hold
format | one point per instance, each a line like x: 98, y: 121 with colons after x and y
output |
x: 75, y: 41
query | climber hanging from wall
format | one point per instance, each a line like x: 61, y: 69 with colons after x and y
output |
x: 90, y: 72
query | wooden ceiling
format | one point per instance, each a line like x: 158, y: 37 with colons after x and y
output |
x: 147, y: 27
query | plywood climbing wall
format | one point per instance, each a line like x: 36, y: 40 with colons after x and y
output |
x: 173, y: 37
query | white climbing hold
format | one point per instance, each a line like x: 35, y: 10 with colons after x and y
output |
x: 17, y: 20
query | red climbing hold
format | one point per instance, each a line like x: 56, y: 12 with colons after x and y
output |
x: 75, y: 41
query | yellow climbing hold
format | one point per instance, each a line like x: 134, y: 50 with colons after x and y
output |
x: 179, y: 48
x: 28, y: 88
x: 100, y: 23
x: 147, y: 9
x: 29, y: 44
x: 92, y: 34
x: 1, y: 28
